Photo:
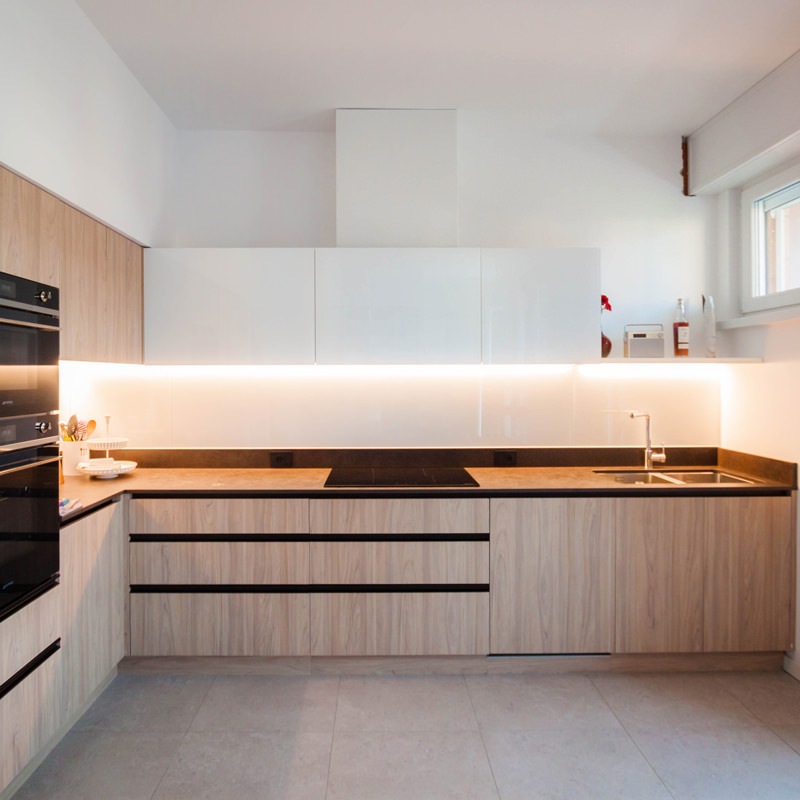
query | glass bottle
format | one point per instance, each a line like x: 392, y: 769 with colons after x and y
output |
x: 680, y: 331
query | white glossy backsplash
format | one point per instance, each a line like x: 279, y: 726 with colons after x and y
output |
x: 297, y: 407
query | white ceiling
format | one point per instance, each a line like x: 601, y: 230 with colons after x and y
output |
x: 598, y: 66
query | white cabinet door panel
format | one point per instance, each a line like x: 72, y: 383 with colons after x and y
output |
x: 398, y: 306
x: 229, y: 306
x: 541, y: 305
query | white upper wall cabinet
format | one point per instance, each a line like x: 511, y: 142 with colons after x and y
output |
x: 229, y: 306
x: 541, y: 305
x: 398, y: 306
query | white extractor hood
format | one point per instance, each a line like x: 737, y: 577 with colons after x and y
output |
x: 396, y: 178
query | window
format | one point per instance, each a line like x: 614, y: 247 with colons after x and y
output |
x: 771, y: 238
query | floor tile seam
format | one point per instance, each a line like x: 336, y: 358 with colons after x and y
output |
x: 333, y: 736
x: 200, y: 705
x: 173, y: 760
x: 480, y: 734
x: 753, y: 721
x: 718, y: 678
x: 633, y: 741
x: 777, y: 733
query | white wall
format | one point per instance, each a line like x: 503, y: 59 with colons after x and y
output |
x: 250, y: 189
x: 75, y: 121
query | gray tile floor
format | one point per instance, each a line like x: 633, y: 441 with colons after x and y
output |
x: 525, y: 737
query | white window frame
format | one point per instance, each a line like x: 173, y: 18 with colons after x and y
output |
x: 752, y: 243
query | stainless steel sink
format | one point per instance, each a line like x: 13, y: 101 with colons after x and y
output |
x: 673, y: 477
x: 642, y: 477
x: 707, y: 476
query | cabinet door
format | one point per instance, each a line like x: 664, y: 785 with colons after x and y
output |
x: 540, y: 305
x: 121, y: 315
x: 94, y: 588
x: 82, y: 288
x: 659, y: 574
x: 31, y: 230
x: 229, y: 306
x: 749, y: 573
x: 552, y: 575
x: 398, y: 306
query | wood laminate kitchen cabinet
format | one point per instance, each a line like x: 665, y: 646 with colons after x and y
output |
x: 552, y: 567
x: 398, y: 577
x: 101, y: 293
x: 30, y: 712
x: 749, y: 557
x: 540, y: 306
x: 98, y: 271
x: 659, y: 574
x: 93, y: 583
x: 32, y: 234
x: 398, y: 306
x: 219, y: 576
x: 229, y: 306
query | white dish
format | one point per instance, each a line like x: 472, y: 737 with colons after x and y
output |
x: 105, y: 468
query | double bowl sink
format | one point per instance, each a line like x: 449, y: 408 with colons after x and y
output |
x: 674, y: 477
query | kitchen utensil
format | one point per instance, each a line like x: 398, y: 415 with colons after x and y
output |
x: 72, y: 427
x: 90, y: 426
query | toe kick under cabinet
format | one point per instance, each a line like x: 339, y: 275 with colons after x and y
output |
x: 217, y: 576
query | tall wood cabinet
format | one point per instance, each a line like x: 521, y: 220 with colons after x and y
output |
x: 552, y: 575
x: 98, y: 271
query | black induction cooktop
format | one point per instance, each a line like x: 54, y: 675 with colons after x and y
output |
x: 399, y: 476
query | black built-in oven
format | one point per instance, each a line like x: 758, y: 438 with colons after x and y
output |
x: 29, y: 519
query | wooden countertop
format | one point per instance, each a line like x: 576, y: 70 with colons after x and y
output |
x: 552, y: 481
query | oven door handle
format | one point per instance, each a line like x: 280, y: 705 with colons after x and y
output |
x: 22, y: 324
x: 29, y: 465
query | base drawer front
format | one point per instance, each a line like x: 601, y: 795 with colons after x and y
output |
x: 209, y: 563
x: 399, y: 562
x: 215, y: 515
x: 219, y: 624
x: 400, y: 624
x: 29, y: 631
x: 401, y: 515
x: 29, y: 716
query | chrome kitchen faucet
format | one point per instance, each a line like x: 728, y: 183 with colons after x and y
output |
x: 649, y: 455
